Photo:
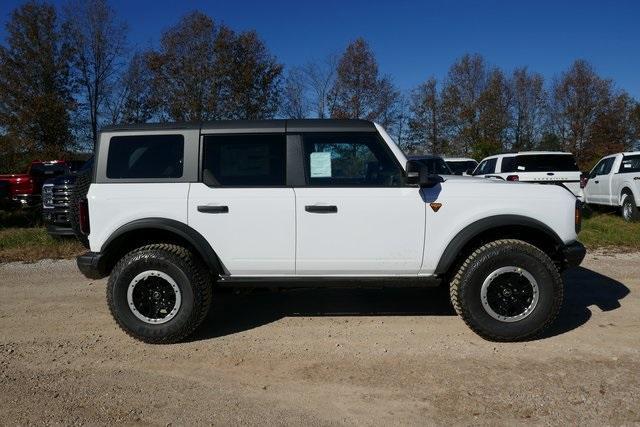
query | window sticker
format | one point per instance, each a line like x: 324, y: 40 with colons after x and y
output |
x: 320, y: 165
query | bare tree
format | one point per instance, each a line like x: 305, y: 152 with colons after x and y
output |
x: 579, y: 96
x: 320, y: 78
x: 465, y: 82
x: 99, y: 41
x: 132, y: 102
x: 359, y: 92
x: 425, y: 124
x: 529, y: 104
x: 295, y: 103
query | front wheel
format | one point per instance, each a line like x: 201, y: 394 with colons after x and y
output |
x: 507, y: 290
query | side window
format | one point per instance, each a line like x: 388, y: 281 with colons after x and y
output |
x: 508, y: 164
x: 486, y: 167
x: 350, y: 159
x: 145, y: 156
x: 607, y: 164
x: 244, y: 160
x: 630, y: 164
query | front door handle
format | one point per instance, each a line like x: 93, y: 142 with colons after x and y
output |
x: 321, y: 209
x: 596, y: 182
x: 213, y: 209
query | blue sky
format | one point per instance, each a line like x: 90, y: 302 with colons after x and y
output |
x: 417, y: 39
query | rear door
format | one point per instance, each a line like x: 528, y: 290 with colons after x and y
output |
x: 242, y: 205
x: 355, y: 215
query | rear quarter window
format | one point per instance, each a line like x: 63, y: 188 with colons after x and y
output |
x: 630, y: 164
x: 145, y: 156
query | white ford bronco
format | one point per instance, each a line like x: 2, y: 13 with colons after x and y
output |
x: 175, y: 212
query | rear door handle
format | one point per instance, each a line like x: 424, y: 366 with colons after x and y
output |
x: 213, y: 209
x: 596, y: 182
x: 550, y: 173
x: 321, y: 209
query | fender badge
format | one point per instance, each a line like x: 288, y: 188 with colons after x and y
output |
x: 435, y: 206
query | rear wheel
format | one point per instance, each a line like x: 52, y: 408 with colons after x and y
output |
x: 629, y: 208
x: 159, y: 293
x: 507, y: 290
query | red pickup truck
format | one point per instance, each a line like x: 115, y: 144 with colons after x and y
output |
x: 25, y: 189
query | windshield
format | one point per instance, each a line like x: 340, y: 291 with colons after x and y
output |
x: 460, y: 167
x: 436, y: 165
x: 48, y: 169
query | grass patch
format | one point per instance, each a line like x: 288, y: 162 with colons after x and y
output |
x: 20, y: 218
x: 601, y: 230
x: 32, y: 244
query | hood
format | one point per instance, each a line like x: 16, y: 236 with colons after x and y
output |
x: 13, y: 176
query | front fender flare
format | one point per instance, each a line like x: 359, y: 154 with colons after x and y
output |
x: 474, y: 229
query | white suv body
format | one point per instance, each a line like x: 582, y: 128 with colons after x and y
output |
x: 542, y: 167
x: 291, y: 202
x: 615, y: 181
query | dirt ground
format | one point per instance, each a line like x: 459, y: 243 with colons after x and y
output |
x: 319, y: 357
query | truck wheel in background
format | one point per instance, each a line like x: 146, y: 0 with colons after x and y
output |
x: 629, y: 209
x: 80, y: 191
x: 507, y: 290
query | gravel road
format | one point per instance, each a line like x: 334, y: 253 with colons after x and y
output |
x: 318, y: 357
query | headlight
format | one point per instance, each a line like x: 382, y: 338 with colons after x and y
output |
x: 47, y: 196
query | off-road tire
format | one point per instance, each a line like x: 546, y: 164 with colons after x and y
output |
x: 184, y: 268
x: 465, y: 289
x: 80, y: 190
x: 629, y: 209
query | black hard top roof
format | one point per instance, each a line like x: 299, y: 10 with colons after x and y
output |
x: 275, y: 125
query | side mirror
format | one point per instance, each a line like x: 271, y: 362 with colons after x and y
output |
x: 419, y: 173
x: 470, y: 171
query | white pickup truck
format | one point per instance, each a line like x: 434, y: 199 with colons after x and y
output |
x: 176, y: 211
x: 615, y: 181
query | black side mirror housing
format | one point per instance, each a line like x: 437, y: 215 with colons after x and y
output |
x: 419, y: 173
x: 470, y: 171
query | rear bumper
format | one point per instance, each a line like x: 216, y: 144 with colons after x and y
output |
x: 60, y: 230
x: 92, y: 265
x: 573, y: 254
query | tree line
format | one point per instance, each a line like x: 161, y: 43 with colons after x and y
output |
x: 66, y: 72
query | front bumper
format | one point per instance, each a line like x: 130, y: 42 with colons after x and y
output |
x: 92, y: 265
x: 573, y: 253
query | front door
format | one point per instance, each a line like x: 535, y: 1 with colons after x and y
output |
x: 242, y: 205
x: 355, y: 216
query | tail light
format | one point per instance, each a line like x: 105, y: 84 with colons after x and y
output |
x: 83, y: 216
x: 513, y: 178
x: 578, y: 216
x: 583, y: 181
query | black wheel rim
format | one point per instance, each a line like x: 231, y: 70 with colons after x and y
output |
x: 154, y: 297
x: 509, y: 294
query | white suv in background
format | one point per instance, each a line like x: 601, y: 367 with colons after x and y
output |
x: 615, y: 181
x: 542, y: 167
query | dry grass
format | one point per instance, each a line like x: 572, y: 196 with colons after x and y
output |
x: 610, y: 231
x: 32, y: 244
